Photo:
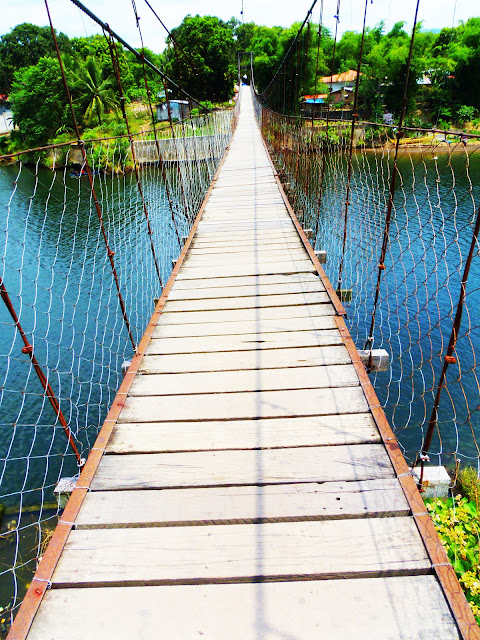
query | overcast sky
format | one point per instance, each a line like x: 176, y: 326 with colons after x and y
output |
x: 119, y: 14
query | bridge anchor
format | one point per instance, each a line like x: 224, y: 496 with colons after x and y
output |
x: 435, y: 482
x: 375, y: 359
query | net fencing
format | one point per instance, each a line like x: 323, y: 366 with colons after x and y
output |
x: 430, y: 238
x: 60, y: 241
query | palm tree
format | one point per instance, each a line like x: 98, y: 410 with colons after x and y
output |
x: 96, y: 95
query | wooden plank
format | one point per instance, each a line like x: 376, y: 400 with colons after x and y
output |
x: 246, y: 235
x: 249, y: 380
x: 253, y: 226
x: 259, y: 256
x: 253, y: 203
x: 247, y: 302
x: 251, y: 405
x: 264, y: 180
x: 208, y: 249
x: 258, y: 316
x: 295, y: 279
x: 244, y: 342
x: 169, y: 437
x: 240, y: 241
x: 241, y: 209
x: 242, y: 552
x: 232, y: 328
x: 262, y: 268
x: 228, y: 468
x: 378, y: 609
x: 235, y: 361
x: 230, y: 505
x: 245, y: 291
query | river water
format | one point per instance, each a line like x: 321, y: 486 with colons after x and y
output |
x: 56, y: 269
x: 435, y: 205
x: 60, y: 281
x: 59, y: 278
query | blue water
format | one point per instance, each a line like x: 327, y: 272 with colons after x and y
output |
x: 60, y: 281
x: 435, y: 205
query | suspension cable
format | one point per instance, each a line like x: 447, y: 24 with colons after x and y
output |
x: 49, y: 393
x: 81, y: 144
x: 138, y: 55
x: 350, y: 154
x: 391, y: 195
x: 173, y: 39
x: 449, y: 358
x: 157, y: 144
x: 116, y: 69
x: 294, y: 41
x: 327, y: 123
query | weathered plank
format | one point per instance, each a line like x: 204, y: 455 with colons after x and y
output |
x: 252, y: 226
x: 248, y: 302
x: 252, y: 405
x: 245, y: 235
x: 247, y: 290
x: 249, y: 380
x: 315, y: 323
x: 209, y: 249
x: 244, y: 342
x: 249, y: 315
x: 221, y: 212
x: 229, y: 553
x: 246, y: 258
x: 239, y: 269
x: 243, y: 241
x: 239, y: 360
x: 258, y: 281
x: 222, y: 505
x: 377, y: 609
x: 233, y: 467
x: 167, y: 437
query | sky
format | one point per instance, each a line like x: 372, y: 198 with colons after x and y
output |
x: 66, y: 17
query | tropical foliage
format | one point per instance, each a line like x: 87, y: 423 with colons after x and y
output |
x: 38, y: 101
x: 202, y: 62
x: 458, y: 525
x: 201, y: 58
x: 95, y: 94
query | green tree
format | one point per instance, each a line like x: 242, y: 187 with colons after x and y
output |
x: 97, y: 47
x: 23, y: 47
x: 467, y: 55
x: 207, y: 71
x: 38, y: 100
x: 95, y: 94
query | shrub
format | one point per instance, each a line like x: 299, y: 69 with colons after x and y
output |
x: 469, y: 484
x: 466, y: 113
x: 458, y: 526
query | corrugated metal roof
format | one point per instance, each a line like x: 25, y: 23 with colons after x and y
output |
x: 346, y: 76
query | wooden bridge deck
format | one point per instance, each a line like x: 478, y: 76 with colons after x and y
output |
x: 250, y: 488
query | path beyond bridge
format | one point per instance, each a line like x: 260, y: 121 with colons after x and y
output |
x: 246, y: 484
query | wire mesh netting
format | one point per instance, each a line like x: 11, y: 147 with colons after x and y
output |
x: 432, y: 230
x: 56, y: 274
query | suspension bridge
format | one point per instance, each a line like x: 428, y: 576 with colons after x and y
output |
x: 255, y: 474
x: 246, y: 483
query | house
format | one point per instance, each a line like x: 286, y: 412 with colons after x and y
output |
x: 312, y: 105
x: 6, y: 115
x: 316, y: 104
x: 179, y: 110
x: 339, y: 81
x: 341, y: 87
